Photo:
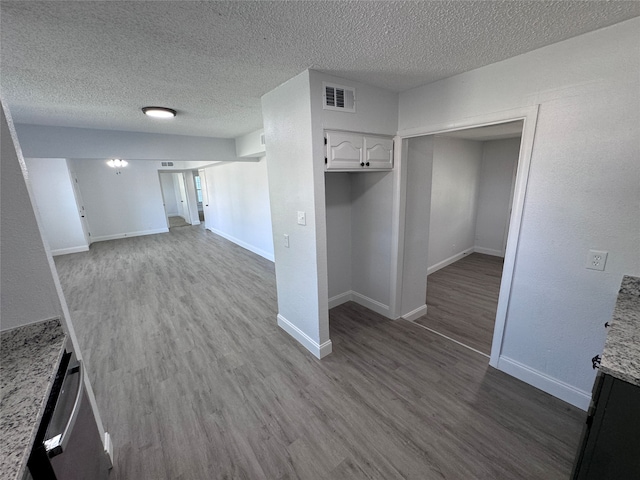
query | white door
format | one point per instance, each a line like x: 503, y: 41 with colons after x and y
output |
x: 205, y: 195
x: 80, y: 204
x: 183, y: 206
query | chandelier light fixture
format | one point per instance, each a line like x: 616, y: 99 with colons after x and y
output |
x: 117, y: 163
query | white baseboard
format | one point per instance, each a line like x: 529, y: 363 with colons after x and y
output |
x: 488, y: 251
x: 66, y: 251
x: 413, y: 315
x: 449, y: 261
x: 108, y: 448
x: 371, y: 304
x: 553, y: 386
x: 340, y: 299
x: 360, y: 299
x: 318, y: 350
x: 251, y: 248
x: 129, y: 234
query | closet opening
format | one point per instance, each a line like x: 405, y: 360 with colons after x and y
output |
x: 467, y: 194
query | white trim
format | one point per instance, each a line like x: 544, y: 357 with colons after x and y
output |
x: 360, y: 299
x: 489, y: 251
x: 371, y: 304
x: 529, y: 116
x: 553, y: 386
x: 399, y: 200
x: 413, y: 315
x: 108, y: 449
x: 129, y: 234
x: 248, y: 246
x: 448, y: 261
x: 340, y: 299
x: 318, y: 350
x: 65, y: 251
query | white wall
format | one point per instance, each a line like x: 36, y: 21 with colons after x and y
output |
x: 416, y: 171
x: 358, y: 213
x: 122, y: 205
x: 167, y: 182
x: 454, y: 199
x: 338, y: 211
x: 249, y: 145
x: 294, y: 123
x: 371, y: 195
x: 583, y: 192
x: 67, y: 142
x: 294, y: 181
x: 238, y: 204
x: 53, y: 193
x: 497, y: 173
x: 27, y: 290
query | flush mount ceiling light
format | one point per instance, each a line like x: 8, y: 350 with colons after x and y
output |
x: 159, y: 112
x: 117, y: 163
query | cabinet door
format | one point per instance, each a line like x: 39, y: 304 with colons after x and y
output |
x: 344, y: 151
x: 378, y: 153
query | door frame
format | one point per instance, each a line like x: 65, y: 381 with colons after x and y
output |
x: 82, y: 212
x: 164, y: 197
x: 529, y: 117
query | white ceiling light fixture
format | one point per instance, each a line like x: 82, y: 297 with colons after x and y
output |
x: 117, y: 163
x: 159, y: 112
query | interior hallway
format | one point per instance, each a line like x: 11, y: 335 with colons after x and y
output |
x: 462, y: 299
x: 195, y: 380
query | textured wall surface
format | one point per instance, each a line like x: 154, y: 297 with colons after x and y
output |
x: 499, y: 161
x: 238, y: 199
x: 56, y: 202
x: 583, y: 191
x: 454, y: 197
x: 28, y: 291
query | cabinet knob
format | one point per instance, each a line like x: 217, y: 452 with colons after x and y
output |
x: 362, y: 164
x: 607, y: 325
x: 367, y: 164
x: 595, y: 361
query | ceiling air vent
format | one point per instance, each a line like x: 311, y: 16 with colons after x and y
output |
x: 337, y: 97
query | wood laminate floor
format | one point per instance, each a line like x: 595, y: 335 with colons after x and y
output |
x: 194, y: 380
x: 462, y: 299
x: 177, y: 221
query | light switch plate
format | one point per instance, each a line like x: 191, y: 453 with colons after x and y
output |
x: 302, y: 218
x: 597, y: 259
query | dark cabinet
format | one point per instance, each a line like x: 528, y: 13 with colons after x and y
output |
x: 610, y: 446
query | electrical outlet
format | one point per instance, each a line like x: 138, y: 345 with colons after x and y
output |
x: 286, y: 240
x: 596, y: 260
x: 302, y: 219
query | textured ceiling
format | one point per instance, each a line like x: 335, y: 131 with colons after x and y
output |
x: 95, y: 64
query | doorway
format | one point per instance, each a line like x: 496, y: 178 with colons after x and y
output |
x: 472, y: 184
x: 175, y: 199
x: 413, y: 199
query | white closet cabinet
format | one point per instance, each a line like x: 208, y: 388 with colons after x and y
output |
x: 357, y: 152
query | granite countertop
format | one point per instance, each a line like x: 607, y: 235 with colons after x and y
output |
x: 30, y: 357
x: 621, y: 355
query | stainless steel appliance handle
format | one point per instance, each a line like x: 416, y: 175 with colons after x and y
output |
x: 58, y: 444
